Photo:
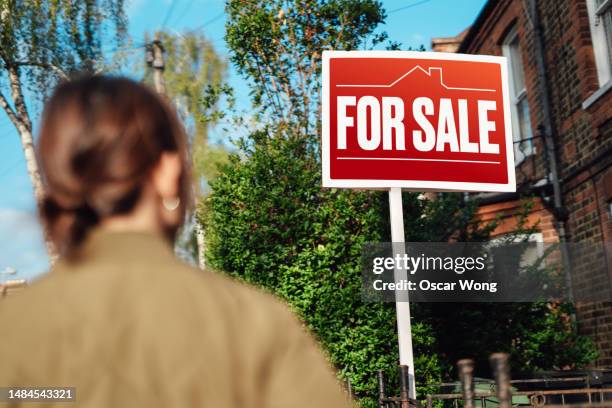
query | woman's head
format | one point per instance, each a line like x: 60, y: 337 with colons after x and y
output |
x: 111, y: 152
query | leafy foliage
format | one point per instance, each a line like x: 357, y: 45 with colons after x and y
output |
x: 47, y: 40
x: 538, y: 336
x: 277, y: 44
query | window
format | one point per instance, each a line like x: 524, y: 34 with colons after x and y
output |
x: 532, y: 253
x: 600, y: 18
x: 521, y: 122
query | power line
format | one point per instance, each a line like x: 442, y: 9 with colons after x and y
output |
x: 185, y: 10
x: 418, y: 3
x: 169, y: 13
x: 212, y: 20
x: 125, y: 48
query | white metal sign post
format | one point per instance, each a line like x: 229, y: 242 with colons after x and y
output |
x: 402, y: 307
x: 421, y: 121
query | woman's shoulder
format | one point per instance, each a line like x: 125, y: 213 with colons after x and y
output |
x: 174, y: 297
x: 232, y: 293
x: 208, y: 301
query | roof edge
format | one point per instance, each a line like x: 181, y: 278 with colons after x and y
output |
x: 482, y: 15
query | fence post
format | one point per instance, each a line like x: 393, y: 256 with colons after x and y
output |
x: 404, y: 386
x: 381, y: 389
x: 466, y: 371
x: 501, y: 371
x: 349, y: 388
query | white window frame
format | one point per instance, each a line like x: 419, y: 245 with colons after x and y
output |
x: 600, y: 44
x: 519, y: 156
x: 535, y: 238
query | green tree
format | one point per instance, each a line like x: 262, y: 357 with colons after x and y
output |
x: 42, y: 42
x: 277, y: 45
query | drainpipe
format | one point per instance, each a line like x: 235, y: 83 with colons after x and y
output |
x: 548, y: 132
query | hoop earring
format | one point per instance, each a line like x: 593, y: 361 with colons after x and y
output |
x: 171, y: 203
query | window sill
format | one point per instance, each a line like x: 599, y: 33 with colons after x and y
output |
x: 588, y: 102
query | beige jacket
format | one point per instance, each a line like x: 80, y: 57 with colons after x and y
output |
x: 131, y: 326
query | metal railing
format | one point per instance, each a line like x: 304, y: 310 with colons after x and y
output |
x: 502, y: 392
x: 404, y: 400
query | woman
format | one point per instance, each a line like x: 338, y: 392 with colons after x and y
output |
x: 119, y: 318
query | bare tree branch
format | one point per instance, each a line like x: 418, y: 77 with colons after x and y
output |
x: 60, y: 72
x: 21, y: 109
x: 4, y: 104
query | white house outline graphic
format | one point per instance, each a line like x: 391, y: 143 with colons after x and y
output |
x: 427, y: 72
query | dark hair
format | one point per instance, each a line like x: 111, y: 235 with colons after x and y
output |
x: 100, y: 139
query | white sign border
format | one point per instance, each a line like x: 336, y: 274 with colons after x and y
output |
x: 417, y: 185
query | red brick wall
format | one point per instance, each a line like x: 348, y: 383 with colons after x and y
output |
x: 507, y: 220
x: 583, y: 136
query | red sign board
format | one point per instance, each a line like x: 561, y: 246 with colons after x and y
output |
x: 418, y: 120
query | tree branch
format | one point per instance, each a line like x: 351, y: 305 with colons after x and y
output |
x: 60, y: 72
x: 21, y: 109
x: 4, y: 104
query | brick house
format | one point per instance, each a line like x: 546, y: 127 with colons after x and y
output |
x: 559, y: 54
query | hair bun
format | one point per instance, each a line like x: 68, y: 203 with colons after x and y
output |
x: 69, y: 225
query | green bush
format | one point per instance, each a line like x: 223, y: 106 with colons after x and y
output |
x: 269, y: 222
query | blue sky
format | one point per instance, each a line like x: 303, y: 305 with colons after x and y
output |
x: 411, y: 22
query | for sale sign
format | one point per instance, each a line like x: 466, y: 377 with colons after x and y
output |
x: 418, y: 120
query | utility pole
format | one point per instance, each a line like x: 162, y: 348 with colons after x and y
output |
x: 155, y: 60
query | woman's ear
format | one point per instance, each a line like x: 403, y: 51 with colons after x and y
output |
x: 166, y: 175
